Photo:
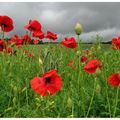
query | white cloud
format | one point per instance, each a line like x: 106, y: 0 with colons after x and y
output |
x: 52, y: 20
x: 50, y: 16
x: 107, y: 34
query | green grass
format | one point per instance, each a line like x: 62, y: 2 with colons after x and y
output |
x: 82, y: 94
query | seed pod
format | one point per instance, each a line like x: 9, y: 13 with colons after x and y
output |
x: 78, y: 29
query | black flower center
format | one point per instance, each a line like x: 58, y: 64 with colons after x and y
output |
x: 32, y: 28
x: 1, y: 46
x: 4, y: 25
x: 48, y: 80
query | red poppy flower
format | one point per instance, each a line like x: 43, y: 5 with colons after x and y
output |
x: 69, y: 42
x: 38, y: 34
x: 30, y: 55
x: 72, y: 64
x: 114, y: 79
x: 116, y: 43
x: 74, y: 67
x: 15, y: 40
x: 84, y: 58
x: 9, y: 50
x: 36, y: 42
x: 92, y: 66
x: 87, y: 51
x: 2, y: 45
x: 19, y: 42
x: 26, y: 39
x: 47, y: 85
x: 6, y: 23
x: 33, y: 26
x: 51, y: 35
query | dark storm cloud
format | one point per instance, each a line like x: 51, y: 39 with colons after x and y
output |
x: 96, y: 18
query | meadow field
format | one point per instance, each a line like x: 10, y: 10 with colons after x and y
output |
x: 65, y: 80
x: 81, y: 95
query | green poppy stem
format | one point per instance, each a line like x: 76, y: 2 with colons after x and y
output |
x: 3, y: 34
x: 91, y: 101
x: 79, y: 41
x: 116, y: 102
x: 108, y: 101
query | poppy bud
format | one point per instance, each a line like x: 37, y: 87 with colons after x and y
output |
x: 69, y: 103
x: 98, y: 48
x: 40, y: 61
x: 15, y: 89
x: 78, y: 52
x: 14, y: 100
x: 78, y: 29
x: 98, y: 72
x: 92, y: 48
x: 98, y: 88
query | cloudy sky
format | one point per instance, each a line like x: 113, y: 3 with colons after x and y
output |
x: 60, y: 18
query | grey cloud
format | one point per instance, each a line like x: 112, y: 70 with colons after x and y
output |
x: 102, y: 18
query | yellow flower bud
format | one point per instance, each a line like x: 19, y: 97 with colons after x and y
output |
x: 40, y: 61
x: 78, y: 29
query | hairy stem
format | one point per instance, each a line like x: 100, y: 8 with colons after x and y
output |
x: 116, y: 101
x: 91, y: 101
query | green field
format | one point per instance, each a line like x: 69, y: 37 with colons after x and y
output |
x: 82, y: 94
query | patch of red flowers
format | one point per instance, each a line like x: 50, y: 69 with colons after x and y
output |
x: 48, y: 84
x: 3, y: 45
x: 116, y: 43
x: 69, y: 42
x: 16, y: 40
x: 35, y: 42
x: 6, y: 23
x: 83, y: 59
x: 51, y: 35
x: 114, y: 79
x: 9, y: 50
x: 26, y: 39
x: 92, y: 66
x: 38, y: 34
x: 33, y: 26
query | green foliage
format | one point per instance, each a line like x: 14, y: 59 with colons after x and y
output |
x: 81, y: 95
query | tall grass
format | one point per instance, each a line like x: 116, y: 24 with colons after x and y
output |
x: 82, y: 94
